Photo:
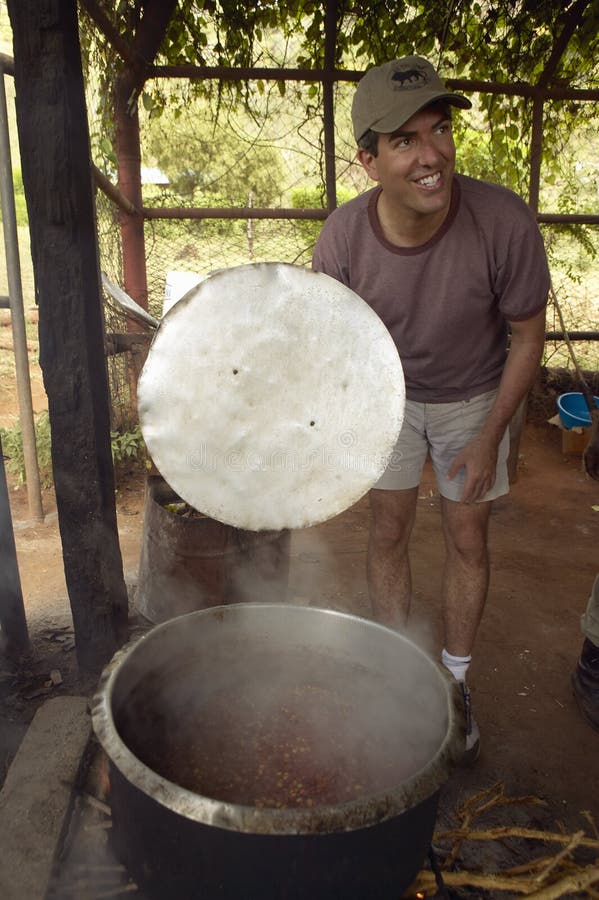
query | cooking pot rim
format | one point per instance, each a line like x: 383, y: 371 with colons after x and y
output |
x: 348, y: 816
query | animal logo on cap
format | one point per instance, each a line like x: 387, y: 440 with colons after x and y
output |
x: 406, y: 78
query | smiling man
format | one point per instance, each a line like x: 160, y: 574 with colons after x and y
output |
x: 453, y: 266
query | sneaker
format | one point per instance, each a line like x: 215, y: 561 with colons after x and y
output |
x: 472, y: 749
x: 585, y: 683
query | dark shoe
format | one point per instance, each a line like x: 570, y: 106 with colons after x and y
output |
x: 585, y: 683
x: 472, y: 750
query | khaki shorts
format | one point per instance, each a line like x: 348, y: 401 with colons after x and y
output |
x: 443, y: 430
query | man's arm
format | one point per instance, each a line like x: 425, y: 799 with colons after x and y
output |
x: 521, y: 369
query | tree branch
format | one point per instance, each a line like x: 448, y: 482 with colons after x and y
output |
x: 101, y: 20
x: 571, y: 21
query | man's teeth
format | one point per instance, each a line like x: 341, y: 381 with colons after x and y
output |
x: 430, y: 180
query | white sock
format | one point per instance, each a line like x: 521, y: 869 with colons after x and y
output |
x: 457, y: 665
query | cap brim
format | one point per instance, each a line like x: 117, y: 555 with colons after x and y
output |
x: 395, y: 118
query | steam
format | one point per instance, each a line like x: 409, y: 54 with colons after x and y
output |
x: 365, y: 705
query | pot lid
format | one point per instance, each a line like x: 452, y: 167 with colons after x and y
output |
x: 271, y: 397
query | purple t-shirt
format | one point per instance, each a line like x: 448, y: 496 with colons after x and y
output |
x: 447, y: 302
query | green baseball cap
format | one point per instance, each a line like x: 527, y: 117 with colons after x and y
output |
x: 388, y: 95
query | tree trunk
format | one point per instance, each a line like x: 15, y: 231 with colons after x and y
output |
x: 55, y: 158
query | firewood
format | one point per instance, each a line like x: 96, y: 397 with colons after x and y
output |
x: 570, y: 884
x: 545, y: 878
x: 506, y: 831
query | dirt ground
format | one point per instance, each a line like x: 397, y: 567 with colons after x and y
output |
x: 544, y: 542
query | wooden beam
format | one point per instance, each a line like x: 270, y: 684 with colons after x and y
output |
x: 55, y: 159
x: 112, y: 191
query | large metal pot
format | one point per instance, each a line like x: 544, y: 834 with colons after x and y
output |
x: 401, y: 720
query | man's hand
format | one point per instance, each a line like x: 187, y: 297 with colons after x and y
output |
x: 591, y: 454
x: 479, y: 458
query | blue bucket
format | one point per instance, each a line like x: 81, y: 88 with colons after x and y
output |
x: 573, y: 410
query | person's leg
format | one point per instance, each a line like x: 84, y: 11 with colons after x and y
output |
x: 393, y: 502
x: 450, y: 427
x: 465, y: 585
x: 466, y: 573
x: 388, y: 565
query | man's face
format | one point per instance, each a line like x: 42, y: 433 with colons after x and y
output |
x: 415, y: 164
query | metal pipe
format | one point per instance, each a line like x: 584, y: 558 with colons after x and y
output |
x: 244, y: 212
x: 15, y: 292
x: 233, y: 74
x: 568, y: 219
x: 573, y: 335
x: 328, y: 103
x: 241, y: 212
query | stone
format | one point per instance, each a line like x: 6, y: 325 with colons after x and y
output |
x: 36, y: 795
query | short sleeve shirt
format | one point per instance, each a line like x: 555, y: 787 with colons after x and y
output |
x: 446, y: 303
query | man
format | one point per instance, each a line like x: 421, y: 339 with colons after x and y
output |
x: 448, y: 263
x: 585, y: 678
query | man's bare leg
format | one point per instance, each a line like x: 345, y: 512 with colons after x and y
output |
x: 466, y: 574
x: 388, y: 565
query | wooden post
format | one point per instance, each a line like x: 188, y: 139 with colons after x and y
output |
x: 55, y: 158
x: 13, y: 635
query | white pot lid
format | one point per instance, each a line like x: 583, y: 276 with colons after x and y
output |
x: 271, y: 397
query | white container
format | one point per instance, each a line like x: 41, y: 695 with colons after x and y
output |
x: 177, y: 285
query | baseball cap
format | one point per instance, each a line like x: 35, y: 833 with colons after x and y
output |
x: 388, y: 95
